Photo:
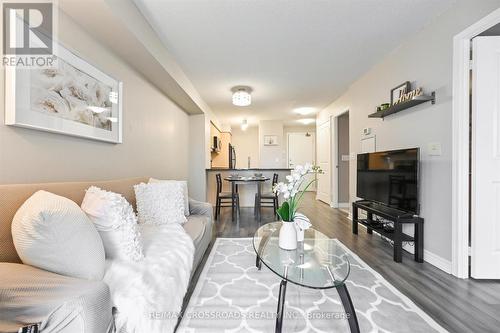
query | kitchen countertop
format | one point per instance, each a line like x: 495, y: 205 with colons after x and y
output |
x: 251, y: 169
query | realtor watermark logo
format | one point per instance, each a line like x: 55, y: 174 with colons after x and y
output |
x: 28, y: 30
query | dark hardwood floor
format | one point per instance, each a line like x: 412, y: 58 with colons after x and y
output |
x: 469, y: 306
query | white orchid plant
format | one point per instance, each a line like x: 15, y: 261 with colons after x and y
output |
x: 293, y: 191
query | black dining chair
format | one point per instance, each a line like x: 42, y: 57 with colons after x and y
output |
x: 224, y: 199
x: 269, y: 199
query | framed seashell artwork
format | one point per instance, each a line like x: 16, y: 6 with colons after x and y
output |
x: 71, y: 97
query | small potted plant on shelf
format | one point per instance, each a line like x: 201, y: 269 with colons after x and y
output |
x: 294, y: 223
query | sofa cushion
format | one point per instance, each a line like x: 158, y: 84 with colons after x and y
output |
x: 61, y: 304
x: 196, y: 227
x: 52, y: 232
x: 199, y: 228
x: 12, y: 196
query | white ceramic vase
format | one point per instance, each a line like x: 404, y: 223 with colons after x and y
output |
x: 288, y: 236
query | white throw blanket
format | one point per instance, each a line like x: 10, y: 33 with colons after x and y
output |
x: 148, y: 294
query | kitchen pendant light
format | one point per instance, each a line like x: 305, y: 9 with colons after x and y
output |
x: 241, y: 96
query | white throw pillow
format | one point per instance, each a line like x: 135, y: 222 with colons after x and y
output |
x: 52, y: 233
x: 116, y: 222
x: 184, y: 191
x: 160, y: 203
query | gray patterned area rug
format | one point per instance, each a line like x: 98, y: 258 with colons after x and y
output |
x: 233, y: 296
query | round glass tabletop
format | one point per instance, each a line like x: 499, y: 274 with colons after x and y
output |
x: 318, y: 262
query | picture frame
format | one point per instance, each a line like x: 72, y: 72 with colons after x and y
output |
x: 73, y: 98
x: 270, y: 140
x: 399, y: 90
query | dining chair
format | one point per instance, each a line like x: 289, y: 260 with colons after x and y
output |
x: 269, y: 199
x: 224, y: 199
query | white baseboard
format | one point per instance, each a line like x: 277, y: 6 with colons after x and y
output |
x: 322, y: 198
x: 432, y: 258
x: 437, y: 261
x: 429, y: 257
x: 340, y: 205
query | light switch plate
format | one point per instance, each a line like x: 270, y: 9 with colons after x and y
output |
x: 434, y: 149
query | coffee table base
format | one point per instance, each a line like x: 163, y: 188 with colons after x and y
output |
x: 345, y: 298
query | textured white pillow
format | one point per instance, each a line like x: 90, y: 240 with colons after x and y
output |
x: 184, y: 191
x: 115, y: 220
x: 160, y: 203
x: 51, y: 232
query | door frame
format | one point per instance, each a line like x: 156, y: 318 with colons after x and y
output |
x: 460, y: 162
x: 334, y: 161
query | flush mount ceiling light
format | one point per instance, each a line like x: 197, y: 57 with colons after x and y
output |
x: 304, y: 110
x: 241, y: 96
x: 307, y: 121
x: 244, y: 125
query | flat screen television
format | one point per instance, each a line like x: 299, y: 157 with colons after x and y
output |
x: 390, y: 178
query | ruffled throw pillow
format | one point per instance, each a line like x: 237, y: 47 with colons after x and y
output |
x: 116, y: 222
x: 160, y: 203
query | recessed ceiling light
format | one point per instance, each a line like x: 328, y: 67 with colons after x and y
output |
x: 241, y: 96
x: 307, y: 121
x: 304, y: 110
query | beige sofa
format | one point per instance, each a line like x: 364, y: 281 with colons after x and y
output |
x: 31, y: 295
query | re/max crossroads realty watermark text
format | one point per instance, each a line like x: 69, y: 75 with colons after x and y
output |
x: 28, y: 30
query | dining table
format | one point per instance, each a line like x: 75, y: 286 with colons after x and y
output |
x: 238, y: 180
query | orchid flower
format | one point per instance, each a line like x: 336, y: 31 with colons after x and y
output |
x: 291, y: 191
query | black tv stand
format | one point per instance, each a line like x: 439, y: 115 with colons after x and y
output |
x: 396, y: 216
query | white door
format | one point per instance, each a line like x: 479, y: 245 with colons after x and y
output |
x: 485, y: 210
x: 301, y: 151
x: 324, y: 161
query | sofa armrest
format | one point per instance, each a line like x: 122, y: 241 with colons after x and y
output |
x: 200, y: 208
x: 59, y: 303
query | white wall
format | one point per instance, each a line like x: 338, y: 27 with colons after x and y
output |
x: 425, y: 59
x: 155, y: 131
x: 197, y: 157
x: 272, y: 156
x: 246, y: 144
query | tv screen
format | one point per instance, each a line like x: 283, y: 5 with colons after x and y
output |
x: 390, y: 178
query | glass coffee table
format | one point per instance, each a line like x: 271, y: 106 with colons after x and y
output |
x: 318, y: 263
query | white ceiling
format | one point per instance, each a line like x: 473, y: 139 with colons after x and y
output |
x: 292, y: 53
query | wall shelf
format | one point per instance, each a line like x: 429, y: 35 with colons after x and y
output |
x: 405, y: 105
